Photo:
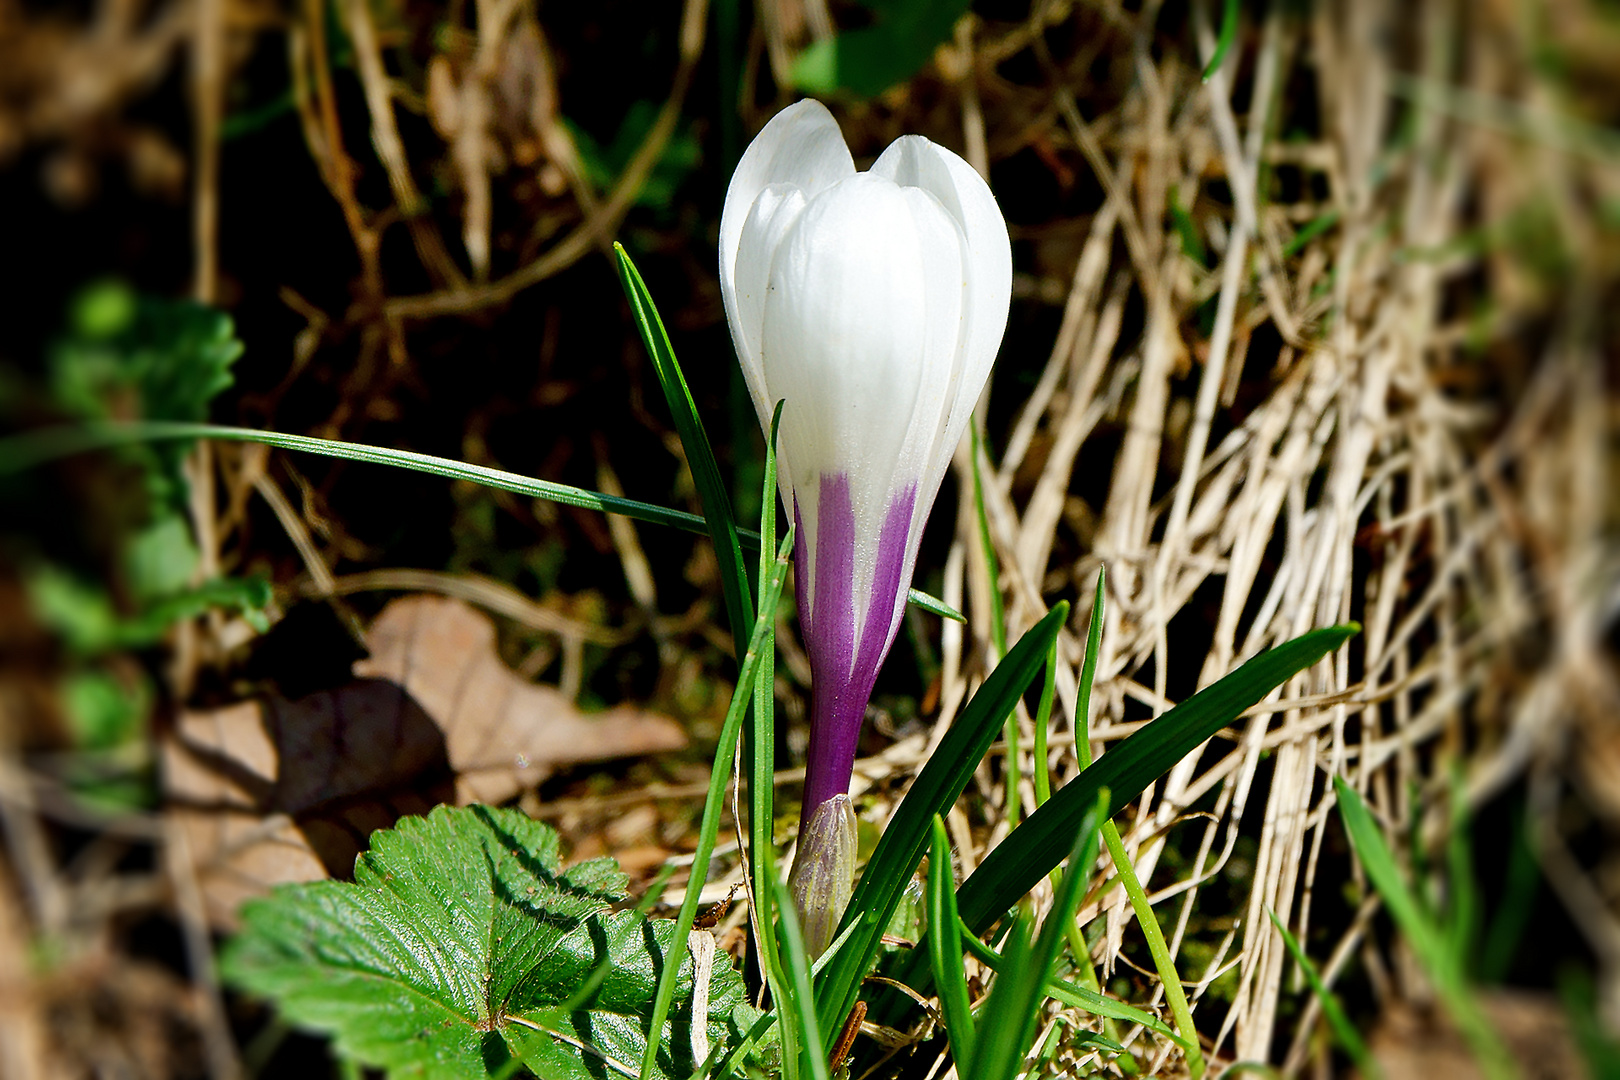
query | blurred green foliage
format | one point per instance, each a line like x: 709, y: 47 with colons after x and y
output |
x: 123, y: 357
x: 867, y: 61
x: 604, y: 164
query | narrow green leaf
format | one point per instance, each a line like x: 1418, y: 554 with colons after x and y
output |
x: 710, y: 826
x: 934, y: 606
x: 1076, y: 997
x: 945, y: 951
x: 937, y: 786
x: 1310, y: 231
x: 1088, y: 669
x: 1379, y: 862
x: 800, y: 999
x: 1010, y: 1016
x: 1344, y: 1031
x: 1043, y: 720
x: 1223, y: 44
x: 1031, y: 850
x: 1462, y: 912
x: 999, y: 1053
x: 711, y: 487
x: 1174, y: 993
x: 19, y: 453
x: 1427, y: 940
x: 761, y: 744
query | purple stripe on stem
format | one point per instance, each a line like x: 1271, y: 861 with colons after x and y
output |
x: 843, y: 664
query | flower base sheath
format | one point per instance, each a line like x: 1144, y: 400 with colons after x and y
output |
x: 873, y: 304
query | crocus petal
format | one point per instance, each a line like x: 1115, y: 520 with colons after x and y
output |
x: 915, y: 162
x: 873, y: 303
x: 802, y: 148
x: 774, y: 212
x: 845, y: 335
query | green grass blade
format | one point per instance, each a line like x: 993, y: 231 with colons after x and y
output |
x: 1043, y: 719
x: 761, y: 753
x: 934, y: 605
x: 1010, y: 1019
x: 1175, y: 994
x: 999, y: 1053
x: 710, y: 826
x: 1088, y: 669
x: 1310, y: 231
x: 599, y: 973
x: 1379, y: 862
x: 998, y: 615
x: 1349, y: 1039
x: 1035, y: 847
x: 799, y: 999
x: 998, y: 625
x: 945, y: 951
x: 1428, y: 941
x: 19, y: 453
x: 1077, y: 997
x: 1223, y: 44
x: 1462, y: 914
x: 711, y: 487
x: 937, y: 786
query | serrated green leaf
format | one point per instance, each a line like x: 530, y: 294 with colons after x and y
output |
x: 455, y: 948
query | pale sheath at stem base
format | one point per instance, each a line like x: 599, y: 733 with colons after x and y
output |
x: 823, y: 874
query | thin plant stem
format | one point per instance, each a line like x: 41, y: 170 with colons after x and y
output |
x: 1175, y: 994
x: 998, y: 626
x: 770, y: 593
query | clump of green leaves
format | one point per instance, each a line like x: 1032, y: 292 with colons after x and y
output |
x: 130, y: 357
x: 461, y: 949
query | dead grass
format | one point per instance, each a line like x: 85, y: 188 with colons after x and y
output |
x: 1384, y: 396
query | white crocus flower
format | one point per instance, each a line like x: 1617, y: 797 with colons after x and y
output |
x: 873, y: 304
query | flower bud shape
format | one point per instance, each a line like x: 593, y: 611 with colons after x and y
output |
x: 823, y: 875
x: 873, y: 304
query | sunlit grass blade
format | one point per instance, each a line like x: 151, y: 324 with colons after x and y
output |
x: 934, y: 605
x: 1174, y: 993
x: 761, y: 741
x: 799, y: 999
x: 770, y: 593
x: 1427, y: 941
x: 945, y: 951
x: 599, y: 973
x: 19, y: 453
x: 711, y: 487
x: 1348, y: 1038
x: 937, y: 786
x: 999, y: 1055
x: 1010, y: 1016
x: 1043, y: 720
x: 1076, y: 997
x: 1036, y: 846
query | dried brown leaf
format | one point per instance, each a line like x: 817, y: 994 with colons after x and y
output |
x: 273, y: 791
